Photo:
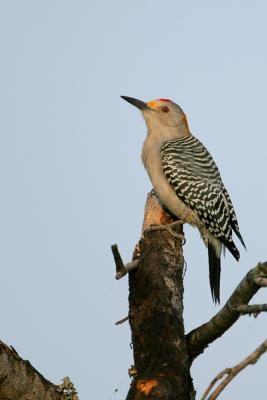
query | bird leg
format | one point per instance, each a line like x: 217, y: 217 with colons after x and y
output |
x: 171, y: 228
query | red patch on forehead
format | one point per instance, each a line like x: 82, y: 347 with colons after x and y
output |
x: 165, y: 100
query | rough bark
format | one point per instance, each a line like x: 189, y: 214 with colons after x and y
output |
x: 156, y: 315
x: 19, y: 380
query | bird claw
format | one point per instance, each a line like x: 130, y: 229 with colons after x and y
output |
x: 169, y: 227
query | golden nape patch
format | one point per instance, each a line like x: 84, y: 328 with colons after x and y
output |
x: 145, y: 387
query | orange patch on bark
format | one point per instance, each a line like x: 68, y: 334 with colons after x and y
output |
x: 145, y: 387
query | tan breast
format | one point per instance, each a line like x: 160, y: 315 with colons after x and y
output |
x: 152, y: 162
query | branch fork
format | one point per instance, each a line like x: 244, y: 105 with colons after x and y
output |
x: 121, y: 269
x: 229, y: 373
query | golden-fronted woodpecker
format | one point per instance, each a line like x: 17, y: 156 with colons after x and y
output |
x: 187, y: 181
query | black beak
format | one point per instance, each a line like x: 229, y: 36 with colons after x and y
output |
x: 137, y: 103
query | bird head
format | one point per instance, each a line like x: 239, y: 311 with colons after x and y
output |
x: 162, y: 114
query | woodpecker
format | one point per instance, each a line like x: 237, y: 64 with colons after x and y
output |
x: 187, y: 181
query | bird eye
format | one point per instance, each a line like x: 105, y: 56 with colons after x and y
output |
x: 165, y: 109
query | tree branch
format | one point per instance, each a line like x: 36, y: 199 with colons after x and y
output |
x: 121, y: 321
x: 201, y: 337
x: 232, y: 372
x: 254, y: 309
x: 121, y: 269
x: 19, y: 380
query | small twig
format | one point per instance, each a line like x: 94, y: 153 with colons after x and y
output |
x: 121, y: 321
x: 131, y: 265
x: 214, y: 381
x: 232, y: 372
x: 121, y: 269
x: 254, y: 309
x: 260, y: 281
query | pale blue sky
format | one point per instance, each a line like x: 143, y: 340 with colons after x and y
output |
x: 72, y: 182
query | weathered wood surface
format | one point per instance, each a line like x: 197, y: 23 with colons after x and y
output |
x: 20, y: 381
x: 156, y: 314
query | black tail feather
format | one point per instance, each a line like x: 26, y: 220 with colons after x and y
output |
x: 230, y: 245
x: 238, y: 234
x: 214, y: 273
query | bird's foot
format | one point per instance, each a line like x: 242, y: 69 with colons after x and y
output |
x: 171, y: 228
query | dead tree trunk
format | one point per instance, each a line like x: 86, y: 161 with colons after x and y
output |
x: 163, y: 354
x: 156, y: 315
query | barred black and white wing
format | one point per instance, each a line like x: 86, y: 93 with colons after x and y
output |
x: 234, y: 222
x: 193, y: 174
